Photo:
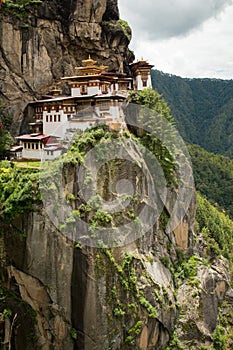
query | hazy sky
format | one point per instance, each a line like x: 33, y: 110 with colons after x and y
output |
x: 189, y: 38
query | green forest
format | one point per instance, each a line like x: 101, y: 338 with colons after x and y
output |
x: 213, y: 176
x: 202, y: 108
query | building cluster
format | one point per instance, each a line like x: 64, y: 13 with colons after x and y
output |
x: 96, y: 96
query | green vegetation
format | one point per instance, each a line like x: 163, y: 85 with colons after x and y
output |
x: 219, y: 338
x: 18, y: 190
x: 174, y: 343
x: 152, y: 126
x: 126, y: 28
x: 128, y: 281
x: 73, y: 333
x: 6, y: 140
x: 11, y: 305
x: 133, y: 332
x: 185, y: 269
x: 116, y: 25
x: 213, y: 176
x: 202, y: 109
x: 216, y: 228
x: 20, y: 9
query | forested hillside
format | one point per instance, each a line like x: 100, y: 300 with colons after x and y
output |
x: 213, y: 177
x: 202, y: 108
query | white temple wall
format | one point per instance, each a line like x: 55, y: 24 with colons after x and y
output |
x: 33, y: 154
x: 53, y: 124
x: 93, y: 90
x: 75, y: 92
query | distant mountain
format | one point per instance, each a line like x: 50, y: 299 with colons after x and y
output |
x: 202, y: 108
x: 213, y: 176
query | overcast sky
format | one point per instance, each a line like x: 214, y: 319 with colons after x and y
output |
x: 189, y: 38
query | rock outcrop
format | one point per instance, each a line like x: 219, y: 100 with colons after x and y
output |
x: 80, y: 297
x: 49, y: 41
x: 93, y: 298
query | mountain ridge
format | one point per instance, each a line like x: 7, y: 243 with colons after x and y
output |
x: 202, y: 108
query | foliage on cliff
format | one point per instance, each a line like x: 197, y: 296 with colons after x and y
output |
x: 202, y: 109
x: 148, y: 121
x: 18, y: 190
x: 6, y: 140
x: 216, y: 228
x: 19, y: 9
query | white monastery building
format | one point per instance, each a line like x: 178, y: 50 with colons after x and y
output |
x: 96, y: 96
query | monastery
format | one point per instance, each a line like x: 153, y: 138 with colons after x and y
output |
x: 95, y: 98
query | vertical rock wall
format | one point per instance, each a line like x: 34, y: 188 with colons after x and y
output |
x: 50, y: 42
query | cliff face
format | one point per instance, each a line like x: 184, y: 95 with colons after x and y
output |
x: 65, y: 295
x: 94, y: 298
x: 53, y: 38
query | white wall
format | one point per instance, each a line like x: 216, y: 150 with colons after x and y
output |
x: 139, y: 84
x: 32, y: 153
x: 75, y: 92
x: 55, y: 128
x: 93, y: 90
x: 48, y: 156
x: 149, y: 82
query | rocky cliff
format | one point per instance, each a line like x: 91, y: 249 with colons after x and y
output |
x: 61, y: 290
x: 41, y: 42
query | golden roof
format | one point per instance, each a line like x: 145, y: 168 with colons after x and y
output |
x: 90, y: 68
x: 89, y: 62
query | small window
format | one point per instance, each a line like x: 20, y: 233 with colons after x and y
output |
x: 51, y: 153
x: 37, y: 146
x: 83, y: 89
x: 29, y: 145
x: 47, y: 118
x: 144, y: 83
x: 104, y: 89
x: 59, y: 118
x: 51, y: 118
x: 32, y: 145
x: 55, y: 118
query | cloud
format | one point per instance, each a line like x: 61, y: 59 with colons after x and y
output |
x: 206, y: 52
x: 189, y: 38
x: 163, y: 19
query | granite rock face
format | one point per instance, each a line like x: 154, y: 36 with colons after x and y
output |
x: 52, y: 40
x: 78, y: 297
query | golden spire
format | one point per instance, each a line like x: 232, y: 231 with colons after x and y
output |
x: 89, y: 62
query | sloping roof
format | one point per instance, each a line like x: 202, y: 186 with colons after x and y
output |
x: 32, y: 137
x: 63, y: 98
x: 16, y: 148
x: 54, y: 147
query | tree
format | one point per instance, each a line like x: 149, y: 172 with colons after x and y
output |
x: 6, y: 140
x: 155, y: 126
